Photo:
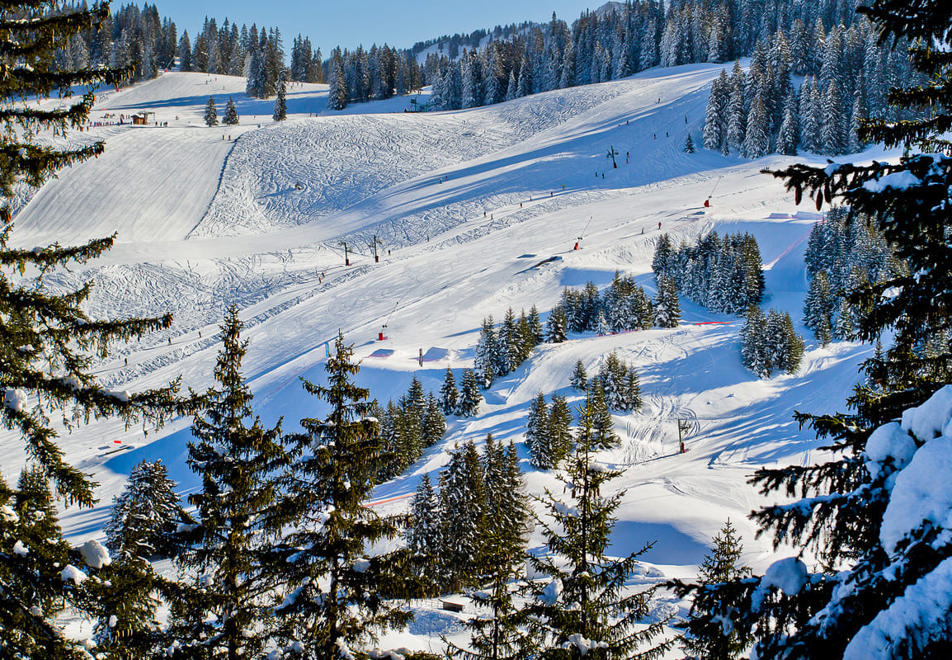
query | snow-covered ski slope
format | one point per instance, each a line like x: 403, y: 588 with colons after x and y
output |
x: 477, y: 210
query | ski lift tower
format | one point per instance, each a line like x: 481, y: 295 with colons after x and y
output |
x: 373, y: 246
x: 346, y: 255
x: 611, y: 154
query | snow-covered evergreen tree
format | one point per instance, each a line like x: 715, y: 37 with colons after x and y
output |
x: 423, y: 534
x: 757, y: 135
x: 495, y: 630
x: 753, y: 342
x: 449, y: 395
x: 537, y: 433
x: 231, y: 114
x: 237, y: 513
x: 737, y: 110
x: 667, y: 307
x: 556, y: 326
x: 579, y: 609
x: 470, y: 397
x: 579, y: 378
x: 50, y: 341
x: 875, y: 512
x: 488, y: 350
x: 559, y: 429
x: 433, y: 422
x: 280, y: 101
x: 333, y: 606
x: 715, y: 115
x: 463, y: 515
x: 788, y: 139
x: 337, y: 96
x: 707, y: 636
x: 211, y: 114
x: 145, y: 514
x: 818, y: 308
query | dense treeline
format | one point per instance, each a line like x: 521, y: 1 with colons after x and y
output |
x: 722, y: 274
x: 846, y: 76
x: 408, y: 427
x: 634, y: 36
x: 769, y: 343
x: 139, y: 40
x: 481, y: 511
x: 499, y: 352
x: 845, y: 252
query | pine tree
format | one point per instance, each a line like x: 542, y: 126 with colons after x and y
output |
x: 433, y: 422
x: 559, y: 429
x: 337, y: 97
x: 50, y: 342
x: 415, y: 401
x: 579, y: 378
x: 818, y: 308
x: 231, y: 114
x: 463, y: 516
x: 736, y: 109
x: 753, y: 342
x: 496, y: 634
x: 689, y: 145
x: 29, y: 527
x: 833, y: 131
x: 507, y: 508
x: 237, y: 512
x: 707, y: 636
x: 335, y: 603
x: 537, y: 426
x: 631, y: 392
x: 423, y: 534
x: 449, y: 395
x: 127, y: 600
x: 507, y: 343
x: 843, y: 327
x: 280, y: 102
x: 603, y: 426
x: 211, y: 114
x: 146, y: 514
x: 470, y: 397
x: 556, y: 326
x: 667, y: 308
x: 579, y: 611
x: 488, y: 350
x: 757, y: 136
x: 662, y: 263
x: 793, y: 346
x: 715, y: 115
x: 788, y: 139
x: 535, y: 326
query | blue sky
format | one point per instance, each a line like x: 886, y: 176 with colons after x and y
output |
x: 400, y: 23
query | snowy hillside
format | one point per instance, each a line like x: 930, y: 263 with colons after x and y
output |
x: 477, y: 211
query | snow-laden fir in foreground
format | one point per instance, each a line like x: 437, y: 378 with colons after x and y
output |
x: 476, y: 211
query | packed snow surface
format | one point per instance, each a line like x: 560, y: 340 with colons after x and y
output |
x: 472, y: 212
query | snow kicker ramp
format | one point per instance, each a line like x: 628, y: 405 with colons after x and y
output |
x: 151, y: 184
